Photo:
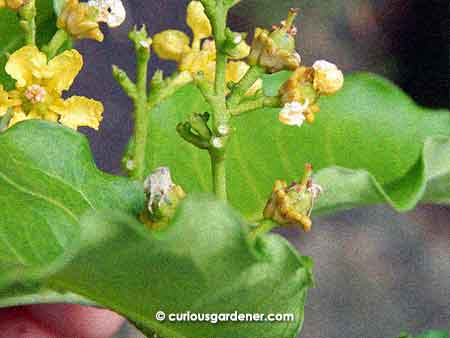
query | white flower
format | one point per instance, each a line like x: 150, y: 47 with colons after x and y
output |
x: 110, y: 11
x: 158, y: 185
x: 328, y: 79
x: 292, y: 113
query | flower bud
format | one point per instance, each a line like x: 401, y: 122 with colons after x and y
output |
x: 163, y: 197
x: 171, y: 44
x: 292, y: 204
x: 275, y: 50
x: 80, y: 21
x: 199, y: 123
x: 328, y: 79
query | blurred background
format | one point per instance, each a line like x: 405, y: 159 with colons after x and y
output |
x: 377, y: 272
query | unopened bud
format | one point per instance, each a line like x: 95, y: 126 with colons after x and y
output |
x: 79, y: 20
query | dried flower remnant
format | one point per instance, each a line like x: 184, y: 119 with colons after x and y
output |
x: 163, y: 197
x: 304, y: 88
x: 275, y: 50
x: 292, y: 204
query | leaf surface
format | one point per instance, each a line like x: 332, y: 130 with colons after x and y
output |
x: 370, y: 144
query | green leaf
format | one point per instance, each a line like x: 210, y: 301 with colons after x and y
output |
x: 203, y: 263
x: 428, y: 334
x: 12, y: 36
x: 370, y: 144
x: 48, y: 180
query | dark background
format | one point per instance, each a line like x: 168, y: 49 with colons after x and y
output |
x: 377, y: 272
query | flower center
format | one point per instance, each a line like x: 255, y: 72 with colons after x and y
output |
x: 35, y: 94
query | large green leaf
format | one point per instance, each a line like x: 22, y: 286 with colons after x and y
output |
x: 12, y: 36
x: 370, y: 144
x: 204, y: 262
x: 48, y: 180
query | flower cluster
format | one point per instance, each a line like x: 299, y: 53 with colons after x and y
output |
x: 39, y: 87
x: 300, y: 93
x: 198, y: 58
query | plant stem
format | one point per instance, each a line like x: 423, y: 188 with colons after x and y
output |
x: 55, y: 43
x: 28, y: 22
x: 238, y: 92
x: 140, y: 118
x: 264, y: 226
x: 221, y: 116
x: 260, y: 102
x: 218, y: 167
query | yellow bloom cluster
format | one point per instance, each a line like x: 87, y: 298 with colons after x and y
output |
x: 39, y: 86
x: 199, y: 57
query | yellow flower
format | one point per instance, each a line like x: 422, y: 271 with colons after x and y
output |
x: 171, y: 45
x: 198, y: 22
x: 79, y: 20
x: 198, y: 58
x: 6, y: 101
x: 39, y: 86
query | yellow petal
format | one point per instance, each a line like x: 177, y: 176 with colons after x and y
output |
x: 171, y: 44
x: 64, y: 68
x: 198, y: 21
x: 18, y: 117
x: 236, y: 70
x: 80, y: 111
x: 26, y: 63
x: 4, y: 101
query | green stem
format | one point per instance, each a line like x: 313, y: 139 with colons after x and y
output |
x: 55, y: 43
x: 219, y: 175
x: 260, y: 102
x: 28, y: 22
x: 4, y: 120
x: 221, y: 116
x: 239, y: 90
x: 140, y: 118
x: 264, y: 226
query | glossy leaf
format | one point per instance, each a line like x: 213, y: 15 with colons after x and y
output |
x: 48, y: 180
x: 370, y: 144
x: 12, y: 36
x: 203, y: 263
